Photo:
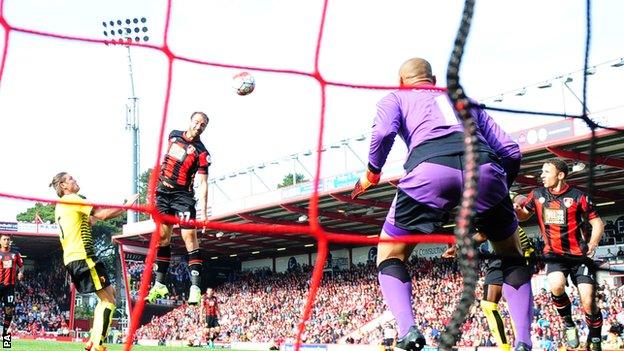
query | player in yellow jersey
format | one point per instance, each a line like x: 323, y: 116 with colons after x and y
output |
x: 73, y: 216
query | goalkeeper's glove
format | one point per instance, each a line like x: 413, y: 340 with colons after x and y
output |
x: 369, y: 179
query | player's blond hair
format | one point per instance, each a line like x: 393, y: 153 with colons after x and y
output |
x: 56, y: 183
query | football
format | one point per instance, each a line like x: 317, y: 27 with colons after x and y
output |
x: 243, y: 83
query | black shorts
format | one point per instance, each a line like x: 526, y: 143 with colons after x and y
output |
x: 7, y: 294
x: 212, y: 321
x: 388, y: 341
x: 494, y: 272
x: 579, y: 273
x: 178, y: 203
x: 499, y: 222
x: 88, y: 275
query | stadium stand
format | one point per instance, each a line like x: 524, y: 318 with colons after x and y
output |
x: 264, y: 307
x: 42, y: 300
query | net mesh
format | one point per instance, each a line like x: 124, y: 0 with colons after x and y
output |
x: 467, y: 255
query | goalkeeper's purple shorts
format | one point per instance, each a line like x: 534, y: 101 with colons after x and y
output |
x: 426, y: 196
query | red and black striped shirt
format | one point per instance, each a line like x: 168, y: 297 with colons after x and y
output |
x: 10, y: 262
x: 183, y: 159
x: 561, y: 217
x: 210, y: 306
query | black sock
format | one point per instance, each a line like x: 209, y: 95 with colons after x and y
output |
x: 8, y: 317
x: 195, y: 266
x: 594, y: 323
x: 163, y: 258
x: 564, y: 308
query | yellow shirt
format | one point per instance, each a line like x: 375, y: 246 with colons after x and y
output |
x: 75, y: 235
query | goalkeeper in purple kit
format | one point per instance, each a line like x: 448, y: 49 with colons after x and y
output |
x: 431, y: 187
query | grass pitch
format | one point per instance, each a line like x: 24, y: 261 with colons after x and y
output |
x: 37, y: 345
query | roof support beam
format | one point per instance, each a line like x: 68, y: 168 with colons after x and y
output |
x: 365, y: 202
x: 575, y: 155
x: 251, y: 243
x: 258, y: 219
x: 204, y: 246
x: 334, y: 215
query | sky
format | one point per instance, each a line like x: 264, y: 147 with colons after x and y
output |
x: 62, y: 102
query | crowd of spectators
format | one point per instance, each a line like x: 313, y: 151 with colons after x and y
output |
x: 42, y: 300
x: 178, y: 282
x: 181, y: 323
x: 262, y: 306
x: 265, y: 307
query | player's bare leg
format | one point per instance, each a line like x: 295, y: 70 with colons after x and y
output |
x: 195, y: 264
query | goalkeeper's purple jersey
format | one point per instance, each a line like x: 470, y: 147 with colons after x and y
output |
x: 421, y: 115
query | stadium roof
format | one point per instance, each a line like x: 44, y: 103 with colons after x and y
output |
x: 35, y: 244
x: 338, y: 213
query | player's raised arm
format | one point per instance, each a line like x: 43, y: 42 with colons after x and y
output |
x: 385, y: 127
x: 384, y: 130
x: 103, y: 213
x: 501, y: 143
